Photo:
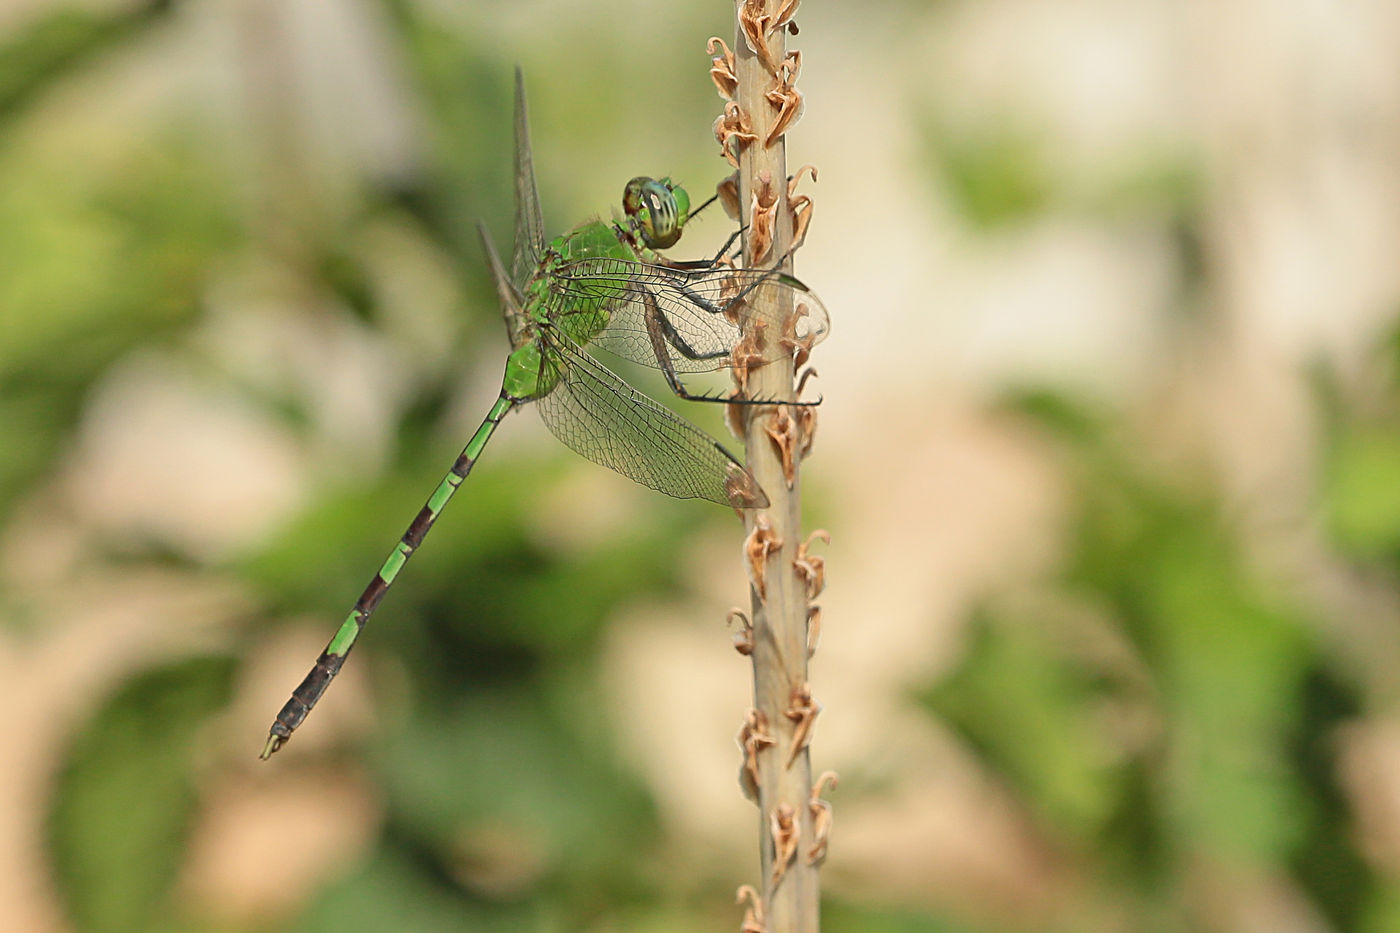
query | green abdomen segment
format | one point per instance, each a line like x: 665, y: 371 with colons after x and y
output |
x: 306, y: 694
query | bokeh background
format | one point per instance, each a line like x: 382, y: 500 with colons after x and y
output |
x: 1110, y: 457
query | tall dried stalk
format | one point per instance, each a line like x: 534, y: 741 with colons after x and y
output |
x: 758, y: 81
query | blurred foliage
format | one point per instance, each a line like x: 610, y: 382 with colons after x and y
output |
x: 124, y: 804
x: 58, y: 41
x: 1167, y: 714
x: 1362, y: 470
x: 995, y: 175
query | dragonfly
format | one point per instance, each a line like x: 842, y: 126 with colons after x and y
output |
x: 604, y: 286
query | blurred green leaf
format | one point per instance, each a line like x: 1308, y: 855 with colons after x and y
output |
x: 124, y: 800
x: 1363, y: 490
x: 59, y: 41
x: 1034, y: 713
x: 398, y: 892
x: 844, y: 916
x: 1214, y: 676
x: 995, y: 173
x: 503, y: 760
x: 93, y: 264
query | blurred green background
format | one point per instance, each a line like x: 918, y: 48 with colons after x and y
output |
x: 1110, y: 455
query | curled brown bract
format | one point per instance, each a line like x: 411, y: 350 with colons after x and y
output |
x: 784, y: 97
x: 783, y: 825
x: 807, y: 423
x: 743, y: 639
x: 722, y: 69
x: 753, y: 914
x: 814, y: 629
x: 753, y: 738
x: 763, y: 215
x: 748, y: 354
x: 800, y: 206
x: 733, y: 126
x: 812, y: 567
x: 757, y: 546
x: 728, y: 191
x: 799, y: 347
x: 803, y: 711
x: 821, y: 817
x: 782, y: 431
x: 758, y: 26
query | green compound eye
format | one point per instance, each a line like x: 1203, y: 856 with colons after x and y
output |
x: 657, y: 208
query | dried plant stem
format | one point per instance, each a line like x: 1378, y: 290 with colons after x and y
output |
x: 779, y: 601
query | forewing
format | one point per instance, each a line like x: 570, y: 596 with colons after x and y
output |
x: 529, y: 224
x: 701, y: 308
x: 511, y: 302
x: 601, y: 417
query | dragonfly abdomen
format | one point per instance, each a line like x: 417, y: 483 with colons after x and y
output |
x: 306, y: 694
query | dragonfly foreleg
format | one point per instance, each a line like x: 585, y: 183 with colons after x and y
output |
x: 702, y: 265
x: 663, y: 333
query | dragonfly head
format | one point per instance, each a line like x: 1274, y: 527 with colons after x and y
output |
x: 656, y: 210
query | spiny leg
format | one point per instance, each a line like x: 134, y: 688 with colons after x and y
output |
x: 309, y: 691
x: 700, y: 265
x: 710, y: 200
x: 662, y: 333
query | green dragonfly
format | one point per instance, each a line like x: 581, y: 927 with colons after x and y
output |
x: 603, y: 285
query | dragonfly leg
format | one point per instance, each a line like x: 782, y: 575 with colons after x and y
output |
x: 701, y: 265
x: 663, y: 333
x: 712, y: 199
x: 728, y: 243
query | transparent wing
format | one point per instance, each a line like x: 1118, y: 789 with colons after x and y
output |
x: 529, y: 224
x: 511, y: 302
x: 601, y: 417
x: 699, y: 310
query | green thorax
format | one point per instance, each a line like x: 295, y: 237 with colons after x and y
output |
x: 584, y: 314
x: 581, y: 317
x: 656, y: 210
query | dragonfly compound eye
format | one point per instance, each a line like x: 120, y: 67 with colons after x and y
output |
x: 655, y: 210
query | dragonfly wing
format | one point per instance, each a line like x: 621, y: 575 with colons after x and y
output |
x: 607, y: 421
x: 529, y: 224
x: 511, y: 302
x: 699, y: 309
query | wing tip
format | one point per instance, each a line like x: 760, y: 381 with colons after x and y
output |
x: 740, y: 488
